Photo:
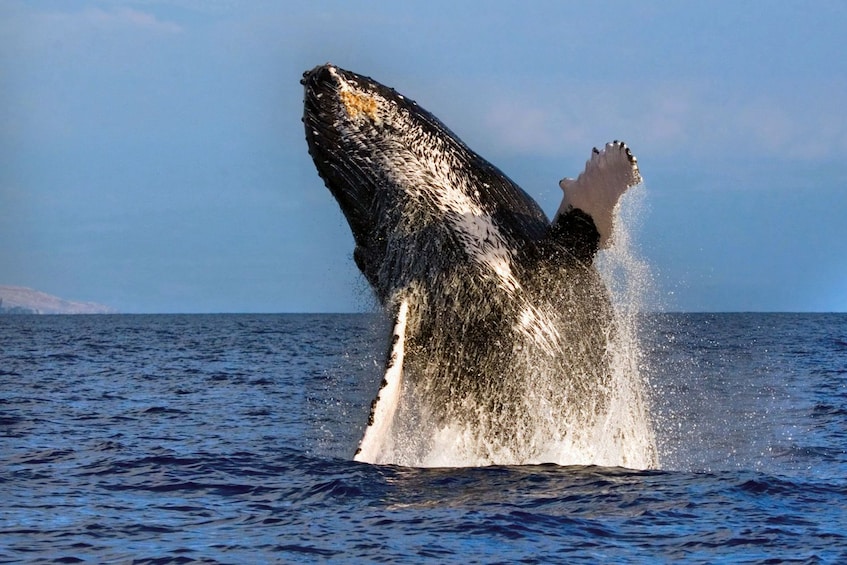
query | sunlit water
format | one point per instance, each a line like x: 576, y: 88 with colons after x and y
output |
x: 230, y: 439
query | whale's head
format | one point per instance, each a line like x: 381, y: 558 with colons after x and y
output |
x: 371, y: 145
x: 395, y: 169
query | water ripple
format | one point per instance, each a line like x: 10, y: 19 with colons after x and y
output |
x: 162, y: 439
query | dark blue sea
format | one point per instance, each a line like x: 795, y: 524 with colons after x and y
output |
x: 229, y: 439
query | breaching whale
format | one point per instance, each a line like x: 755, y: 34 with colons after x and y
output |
x: 501, y: 323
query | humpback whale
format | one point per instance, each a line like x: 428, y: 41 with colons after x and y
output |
x: 501, y: 322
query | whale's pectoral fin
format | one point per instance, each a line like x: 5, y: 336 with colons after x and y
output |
x: 591, y: 198
x: 385, y: 404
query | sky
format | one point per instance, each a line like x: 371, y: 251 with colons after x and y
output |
x: 152, y: 156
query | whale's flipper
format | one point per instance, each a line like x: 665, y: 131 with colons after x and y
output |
x: 596, y: 191
x: 385, y: 404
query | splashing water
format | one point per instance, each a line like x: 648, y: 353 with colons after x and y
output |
x: 628, y: 434
x: 581, y: 404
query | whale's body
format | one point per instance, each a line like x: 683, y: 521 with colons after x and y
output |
x: 502, y: 324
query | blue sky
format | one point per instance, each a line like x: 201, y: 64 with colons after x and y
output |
x: 152, y: 156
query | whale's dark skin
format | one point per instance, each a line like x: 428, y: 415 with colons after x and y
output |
x: 502, y: 303
x: 361, y: 189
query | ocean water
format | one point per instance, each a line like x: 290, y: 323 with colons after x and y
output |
x: 229, y: 439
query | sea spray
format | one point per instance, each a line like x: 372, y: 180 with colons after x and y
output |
x: 630, y: 282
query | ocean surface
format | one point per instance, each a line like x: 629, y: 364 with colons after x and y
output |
x: 229, y: 439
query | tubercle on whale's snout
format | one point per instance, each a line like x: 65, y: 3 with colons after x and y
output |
x: 308, y: 74
x: 315, y: 74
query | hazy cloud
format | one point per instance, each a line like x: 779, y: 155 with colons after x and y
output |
x: 35, y: 30
x: 127, y: 17
x: 670, y: 118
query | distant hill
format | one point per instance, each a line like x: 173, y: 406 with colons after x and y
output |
x: 21, y: 300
